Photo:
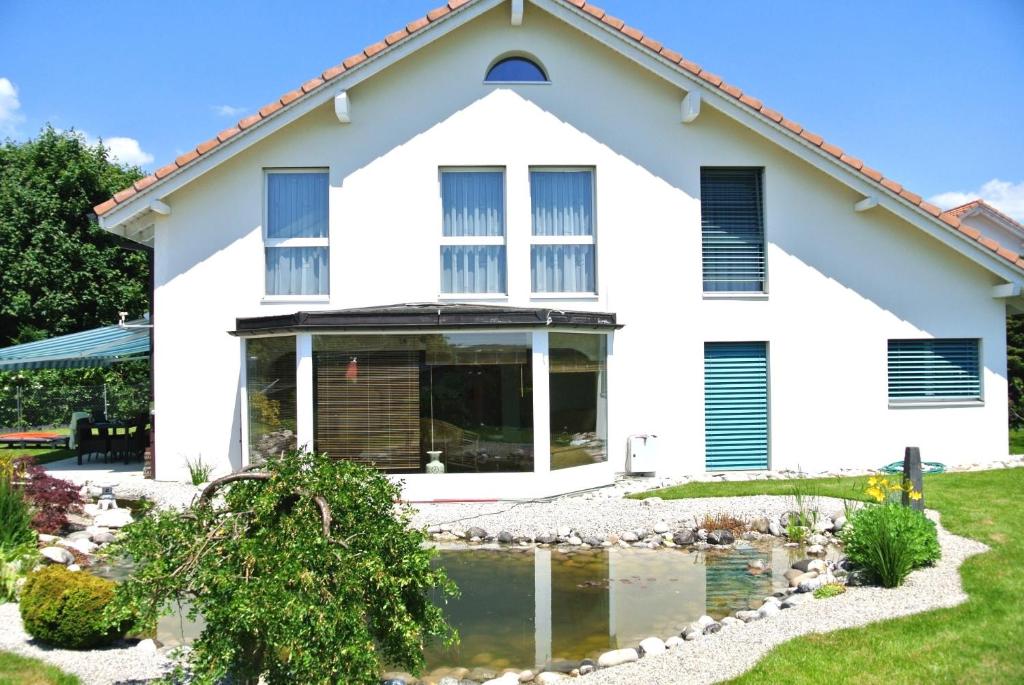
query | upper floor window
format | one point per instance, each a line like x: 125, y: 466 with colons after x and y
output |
x: 296, y: 238
x: 516, y: 70
x: 732, y: 229
x: 934, y: 370
x: 563, y: 250
x: 473, y: 231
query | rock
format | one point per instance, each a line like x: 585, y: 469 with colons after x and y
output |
x: 818, y: 565
x: 838, y: 524
x: 434, y: 530
x: 811, y: 584
x: 775, y: 529
x: 547, y: 678
x: 593, y: 541
x: 748, y: 616
x: 721, y: 537
x: 561, y: 665
x: 564, y: 532
x: 113, y: 518
x: 397, y: 678
x: 505, y: 537
x: 757, y: 567
x: 761, y: 525
x: 730, y: 621
x: 102, y: 538
x: 79, y: 535
x: 702, y: 534
x: 628, y: 536
x: 817, y: 550
x: 507, y: 679
x: 146, y: 646
x: 660, y: 527
x: 547, y: 539
x: 481, y: 674
x: 803, y: 577
x: 57, y: 555
x: 817, y: 539
x: 859, y: 577
x: 651, y: 501
x: 769, y: 609
x: 789, y: 603
x: 803, y: 565
x: 526, y: 676
x: 476, y: 532
x: 83, y: 545
x: 684, y: 538
x: 45, y: 538
x: 618, y: 656
x: 72, y: 567
x: 712, y: 628
x: 652, y: 646
x: 788, y: 516
x: 573, y: 540
x: 587, y: 666
x: 673, y: 642
x: 823, y: 525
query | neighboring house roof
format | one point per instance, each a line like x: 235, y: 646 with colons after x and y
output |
x: 594, y: 13
x: 979, y: 206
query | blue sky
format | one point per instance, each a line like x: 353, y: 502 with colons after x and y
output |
x: 928, y: 91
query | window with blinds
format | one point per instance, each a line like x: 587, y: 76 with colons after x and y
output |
x: 296, y: 237
x: 934, y: 370
x: 732, y: 229
x: 736, y: 405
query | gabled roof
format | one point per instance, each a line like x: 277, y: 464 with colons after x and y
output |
x: 979, y: 206
x: 591, y: 12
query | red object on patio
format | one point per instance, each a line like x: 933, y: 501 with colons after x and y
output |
x: 32, y: 438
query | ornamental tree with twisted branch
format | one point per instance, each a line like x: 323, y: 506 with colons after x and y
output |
x: 304, y: 570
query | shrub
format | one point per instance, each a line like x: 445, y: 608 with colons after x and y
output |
x: 306, y: 572
x: 65, y: 608
x: 734, y: 525
x: 15, y: 517
x: 51, y: 498
x: 890, y: 540
x: 829, y: 590
x: 199, y: 471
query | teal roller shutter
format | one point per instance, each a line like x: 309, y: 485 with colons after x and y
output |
x: 934, y: 370
x: 736, y: 405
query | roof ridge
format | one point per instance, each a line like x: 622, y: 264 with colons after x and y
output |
x: 984, y: 204
x: 594, y: 13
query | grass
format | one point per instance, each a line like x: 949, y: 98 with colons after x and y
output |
x: 1017, y: 441
x: 41, y: 456
x: 25, y: 671
x: 980, y: 641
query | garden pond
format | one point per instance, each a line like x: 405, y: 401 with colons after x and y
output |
x: 523, y: 607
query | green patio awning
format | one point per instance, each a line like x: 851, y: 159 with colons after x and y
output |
x: 97, y: 347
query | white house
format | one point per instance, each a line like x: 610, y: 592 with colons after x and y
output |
x: 520, y: 233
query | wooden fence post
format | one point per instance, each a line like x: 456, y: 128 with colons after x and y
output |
x: 912, y: 472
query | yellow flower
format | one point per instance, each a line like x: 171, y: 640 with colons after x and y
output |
x: 875, y: 493
x: 872, y: 481
x: 914, y: 495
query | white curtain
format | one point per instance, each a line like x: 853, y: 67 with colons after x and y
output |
x: 297, y: 271
x: 297, y: 205
x: 473, y: 268
x: 473, y: 203
x: 563, y: 268
x: 563, y: 202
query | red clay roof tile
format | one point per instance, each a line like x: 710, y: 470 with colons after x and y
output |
x: 1007, y: 254
x: 989, y: 243
x: 206, y: 146
x: 165, y: 170
x: 249, y: 121
x: 949, y: 217
x: 291, y: 96
x: 968, y: 231
x: 105, y: 206
x: 228, y: 133
x: 144, y: 183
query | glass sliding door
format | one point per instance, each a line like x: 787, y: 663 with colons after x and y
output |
x: 579, y: 399
x: 270, y: 388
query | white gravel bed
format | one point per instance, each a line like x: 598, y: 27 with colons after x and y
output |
x: 736, y: 649
x: 119, y: 664
x: 593, y: 515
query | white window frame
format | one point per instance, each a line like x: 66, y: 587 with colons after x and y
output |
x: 295, y: 242
x: 501, y: 240
x: 567, y: 239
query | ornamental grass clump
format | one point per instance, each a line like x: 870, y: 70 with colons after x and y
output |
x: 305, y: 572
x: 888, y: 539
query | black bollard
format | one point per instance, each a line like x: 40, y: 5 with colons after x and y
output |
x: 912, y: 473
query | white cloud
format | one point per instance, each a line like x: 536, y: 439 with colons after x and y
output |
x: 1006, y: 196
x: 227, y: 110
x: 10, y: 116
x: 128, y: 151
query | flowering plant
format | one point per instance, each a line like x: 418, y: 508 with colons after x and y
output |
x: 882, y: 489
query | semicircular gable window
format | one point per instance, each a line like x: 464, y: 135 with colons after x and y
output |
x: 516, y: 70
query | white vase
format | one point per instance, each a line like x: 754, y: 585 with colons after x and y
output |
x: 435, y: 465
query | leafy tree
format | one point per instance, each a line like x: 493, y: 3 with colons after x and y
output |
x: 61, y: 272
x: 306, y: 573
x: 1015, y: 368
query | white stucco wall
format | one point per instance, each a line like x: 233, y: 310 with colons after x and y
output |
x: 840, y: 282
x: 994, y: 229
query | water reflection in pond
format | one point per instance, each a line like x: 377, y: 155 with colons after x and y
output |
x: 522, y: 607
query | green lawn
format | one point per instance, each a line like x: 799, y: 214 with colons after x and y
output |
x: 42, y: 456
x: 21, y: 670
x: 1016, y: 441
x: 980, y: 641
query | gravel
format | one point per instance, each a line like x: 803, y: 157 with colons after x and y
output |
x: 119, y: 664
x: 736, y: 649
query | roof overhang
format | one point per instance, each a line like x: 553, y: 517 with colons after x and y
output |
x: 426, y: 316
x: 810, y: 148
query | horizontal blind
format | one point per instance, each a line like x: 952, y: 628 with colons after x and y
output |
x: 732, y: 229
x: 368, y: 407
x: 736, y: 405
x: 946, y: 369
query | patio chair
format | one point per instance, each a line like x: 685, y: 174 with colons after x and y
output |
x: 73, y: 427
x: 136, y: 440
x: 86, y: 444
